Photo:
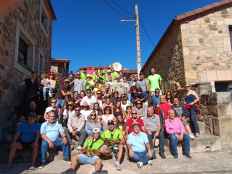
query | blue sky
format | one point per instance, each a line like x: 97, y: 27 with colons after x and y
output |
x: 89, y: 32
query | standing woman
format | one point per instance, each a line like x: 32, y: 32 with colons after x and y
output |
x: 191, y: 101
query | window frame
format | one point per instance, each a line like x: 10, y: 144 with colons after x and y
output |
x: 21, y: 33
x: 43, y: 9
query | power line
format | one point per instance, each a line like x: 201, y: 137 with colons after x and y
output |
x: 143, y: 26
x: 116, y: 7
x: 147, y: 34
x: 124, y: 10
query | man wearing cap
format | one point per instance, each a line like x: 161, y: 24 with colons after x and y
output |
x: 139, y: 147
x: 91, y: 152
x: 76, y: 125
x: 134, y: 118
x: 50, y: 132
x: 27, y: 135
x: 113, y: 137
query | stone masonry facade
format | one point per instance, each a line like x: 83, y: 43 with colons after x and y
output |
x: 23, y: 21
x: 168, y: 58
x: 207, y: 47
x: 195, y: 50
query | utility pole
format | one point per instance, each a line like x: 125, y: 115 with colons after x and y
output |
x: 138, y: 46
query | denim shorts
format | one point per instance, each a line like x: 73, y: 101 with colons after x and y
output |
x: 84, y: 159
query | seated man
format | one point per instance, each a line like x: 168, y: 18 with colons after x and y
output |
x: 176, y: 131
x: 50, y: 132
x: 139, y: 147
x: 76, y: 126
x: 152, y: 127
x: 27, y: 135
x: 91, y: 152
x: 113, y: 137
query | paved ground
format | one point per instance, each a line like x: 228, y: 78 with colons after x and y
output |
x: 201, y: 163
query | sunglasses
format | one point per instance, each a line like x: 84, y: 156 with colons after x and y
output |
x: 134, y: 113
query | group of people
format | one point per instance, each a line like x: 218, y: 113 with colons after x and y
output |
x: 104, y: 115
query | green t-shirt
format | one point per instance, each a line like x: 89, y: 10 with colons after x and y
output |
x: 115, y: 75
x: 115, y: 135
x: 154, y: 82
x: 93, y: 145
x: 83, y: 76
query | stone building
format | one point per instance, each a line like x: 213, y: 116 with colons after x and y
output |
x: 196, y: 47
x: 25, y: 46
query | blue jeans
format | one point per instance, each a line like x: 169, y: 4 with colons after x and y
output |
x: 140, y: 157
x: 174, y: 142
x: 60, y: 103
x: 59, y: 145
x: 192, y: 113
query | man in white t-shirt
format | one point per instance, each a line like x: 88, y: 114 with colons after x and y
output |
x: 78, y: 84
x: 89, y: 98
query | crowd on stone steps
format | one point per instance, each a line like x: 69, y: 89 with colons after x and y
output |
x: 104, y: 114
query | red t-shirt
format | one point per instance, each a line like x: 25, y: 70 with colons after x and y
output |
x: 130, y: 121
x: 165, y: 107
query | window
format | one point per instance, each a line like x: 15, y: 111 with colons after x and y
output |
x: 23, y: 52
x: 44, y: 19
x: 230, y: 30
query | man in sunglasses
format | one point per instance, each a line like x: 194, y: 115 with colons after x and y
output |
x: 113, y: 137
x: 134, y: 118
x: 76, y: 125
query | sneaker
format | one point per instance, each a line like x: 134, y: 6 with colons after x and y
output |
x: 192, y: 136
x: 175, y: 156
x: 149, y: 162
x: 41, y: 166
x: 188, y: 156
x: 162, y: 155
x: 32, y: 168
x: 197, y: 135
x: 139, y: 164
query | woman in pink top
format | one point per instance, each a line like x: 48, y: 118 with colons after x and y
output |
x: 176, y: 131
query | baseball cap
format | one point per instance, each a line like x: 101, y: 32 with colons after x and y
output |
x: 49, y: 109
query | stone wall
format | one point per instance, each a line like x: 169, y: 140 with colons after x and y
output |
x: 168, y: 58
x: 219, y: 117
x: 27, y: 16
x: 206, y: 46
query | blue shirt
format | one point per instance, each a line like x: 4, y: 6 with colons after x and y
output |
x: 51, y: 130
x: 155, y: 100
x: 28, y: 131
x: 138, y: 141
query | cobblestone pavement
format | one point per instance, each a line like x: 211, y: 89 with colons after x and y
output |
x: 201, y: 163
